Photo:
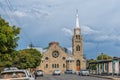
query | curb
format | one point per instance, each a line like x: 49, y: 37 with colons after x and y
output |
x: 105, y: 77
x: 116, y: 79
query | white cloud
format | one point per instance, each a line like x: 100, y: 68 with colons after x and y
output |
x: 107, y: 38
x: 39, y: 11
x: 67, y: 31
x: 88, y: 30
x: 70, y: 49
x: 84, y: 29
x: 19, y: 13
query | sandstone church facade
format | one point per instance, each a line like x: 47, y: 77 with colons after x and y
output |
x: 55, y: 57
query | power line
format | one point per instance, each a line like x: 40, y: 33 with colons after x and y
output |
x: 11, y: 8
x: 4, y: 10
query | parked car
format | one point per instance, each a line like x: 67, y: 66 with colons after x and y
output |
x: 56, y: 72
x: 39, y: 72
x: 83, y: 73
x: 10, y: 68
x: 16, y: 74
x: 70, y: 72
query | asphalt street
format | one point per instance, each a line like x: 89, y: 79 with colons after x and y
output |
x: 68, y: 77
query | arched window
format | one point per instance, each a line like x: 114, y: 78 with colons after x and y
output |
x: 77, y: 48
x: 78, y: 37
x: 46, y: 58
x: 63, y: 65
x: 52, y: 65
x: 46, y: 65
x: 57, y: 65
x: 63, y: 58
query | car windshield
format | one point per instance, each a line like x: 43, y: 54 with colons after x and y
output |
x: 68, y: 70
x: 57, y: 70
x: 6, y: 75
x: 39, y: 70
x: 83, y: 70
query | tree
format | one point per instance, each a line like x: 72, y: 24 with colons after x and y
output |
x: 15, y: 58
x: 27, y: 58
x: 103, y: 56
x: 92, y: 66
x: 36, y: 55
x: 5, y: 60
x: 8, y: 37
x: 8, y: 42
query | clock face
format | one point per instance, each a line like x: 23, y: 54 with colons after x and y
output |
x: 77, y: 32
x: 55, y: 54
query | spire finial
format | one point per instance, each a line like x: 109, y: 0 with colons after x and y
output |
x: 77, y: 20
x: 76, y: 11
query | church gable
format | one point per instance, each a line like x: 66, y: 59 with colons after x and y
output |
x: 55, y: 52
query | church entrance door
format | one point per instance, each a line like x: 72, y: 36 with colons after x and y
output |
x: 78, y: 65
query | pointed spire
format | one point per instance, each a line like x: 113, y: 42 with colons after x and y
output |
x: 77, y: 20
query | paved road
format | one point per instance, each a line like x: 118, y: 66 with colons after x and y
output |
x: 68, y: 77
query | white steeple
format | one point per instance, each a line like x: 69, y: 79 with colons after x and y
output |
x: 77, y: 20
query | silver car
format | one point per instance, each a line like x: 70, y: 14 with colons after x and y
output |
x: 39, y: 72
x: 83, y: 73
x: 70, y: 72
x: 56, y: 72
x: 16, y: 75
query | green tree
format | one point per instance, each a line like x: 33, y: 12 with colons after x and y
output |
x: 5, y: 60
x: 92, y: 66
x: 8, y: 37
x: 103, y: 56
x: 8, y: 42
x: 36, y: 55
x: 27, y: 58
x: 15, y: 58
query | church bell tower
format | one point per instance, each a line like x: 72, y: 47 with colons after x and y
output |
x: 77, y: 47
x: 77, y: 40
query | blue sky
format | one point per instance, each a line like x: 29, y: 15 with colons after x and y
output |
x: 43, y: 21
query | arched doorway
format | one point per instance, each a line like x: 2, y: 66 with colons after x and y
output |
x: 78, y: 65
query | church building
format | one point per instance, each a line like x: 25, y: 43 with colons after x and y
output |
x: 56, y: 57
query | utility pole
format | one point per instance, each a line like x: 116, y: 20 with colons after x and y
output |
x: 31, y: 45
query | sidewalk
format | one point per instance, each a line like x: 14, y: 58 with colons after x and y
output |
x: 106, y: 77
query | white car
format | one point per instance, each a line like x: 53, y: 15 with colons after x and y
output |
x: 16, y: 75
x: 83, y: 73
x: 70, y: 72
x: 39, y: 72
x: 56, y: 72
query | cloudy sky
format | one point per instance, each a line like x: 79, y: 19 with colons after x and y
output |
x: 43, y: 21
